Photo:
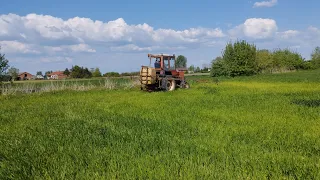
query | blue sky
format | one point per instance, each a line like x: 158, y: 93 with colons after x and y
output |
x: 53, y: 35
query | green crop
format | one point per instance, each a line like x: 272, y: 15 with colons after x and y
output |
x: 259, y: 127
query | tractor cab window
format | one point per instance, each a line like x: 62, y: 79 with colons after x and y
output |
x: 172, y: 64
x: 157, y: 63
x: 166, y: 64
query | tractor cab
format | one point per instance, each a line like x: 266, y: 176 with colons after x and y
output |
x: 163, y: 64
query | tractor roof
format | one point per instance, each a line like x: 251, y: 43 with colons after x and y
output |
x: 160, y: 55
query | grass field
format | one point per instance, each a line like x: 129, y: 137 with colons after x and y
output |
x: 260, y: 127
x: 39, y: 86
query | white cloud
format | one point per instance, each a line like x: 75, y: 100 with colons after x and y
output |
x: 54, y: 40
x: 134, y: 48
x: 17, y: 47
x: 81, y: 48
x: 314, y: 30
x: 256, y: 28
x: 57, y: 59
x: 131, y: 47
x: 52, y: 31
x: 269, y: 3
x: 77, y: 48
x: 288, y: 34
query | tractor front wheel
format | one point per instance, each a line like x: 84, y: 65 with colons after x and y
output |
x: 184, y: 85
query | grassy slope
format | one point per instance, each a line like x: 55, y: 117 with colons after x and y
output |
x: 250, y: 127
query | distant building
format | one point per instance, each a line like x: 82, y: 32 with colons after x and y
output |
x: 57, y: 75
x: 24, y: 76
x: 39, y: 77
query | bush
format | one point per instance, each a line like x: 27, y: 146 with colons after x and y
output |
x: 242, y: 58
x: 284, y: 60
x: 111, y: 74
x: 5, y: 78
x: 130, y: 74
x: 315, y: 58
x: 80, y: 72
x: 264, y: 61
x: 307, y: 65
x: 219, y: 68
x: 237, y: 59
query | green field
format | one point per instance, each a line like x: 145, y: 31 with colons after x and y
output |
x: 259, y: 127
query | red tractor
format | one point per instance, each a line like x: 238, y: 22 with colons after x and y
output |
x: 163, y: 74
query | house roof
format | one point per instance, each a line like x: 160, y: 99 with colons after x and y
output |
x: 56, y: 73
x: 24, y: 73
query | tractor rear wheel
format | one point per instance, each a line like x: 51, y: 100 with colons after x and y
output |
x: 172, y: 85
x: 169, y: 85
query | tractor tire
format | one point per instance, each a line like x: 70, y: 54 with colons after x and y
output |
x: 172, y: 86
x: 186, y: 86
x: 168, y: 85
x: 164, y: 84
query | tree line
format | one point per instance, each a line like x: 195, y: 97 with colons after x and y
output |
x: 241, y: 58
x: 83, y: 72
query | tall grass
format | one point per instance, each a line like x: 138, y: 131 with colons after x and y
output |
x: 77, y: 85
x: 236, y: 129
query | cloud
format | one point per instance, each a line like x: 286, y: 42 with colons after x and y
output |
x: 57, y: 59
x: 80, y: 48
x: 76, y: 32
x: 256, y: 28
x: 46, y: 40
x: 288, y: 34
x: 134, y: 48
x: 269, y: 3
x: 18, y: 48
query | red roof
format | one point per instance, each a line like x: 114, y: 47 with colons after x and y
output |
x: 24, y: 73
x: 59, y: 73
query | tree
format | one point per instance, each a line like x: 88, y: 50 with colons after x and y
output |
x: 76, y: 72
x: 13, y: 72
x: 48, y: 72
x: 96, y: 73
x: 111, y: 74
x: 191, y: 68
x: 39, y: 73
x: 284, y: 59
x: 264, y: 60
x: 181, y: 61
x: 197, y: 69
x: 218, y: 67
x: 80, y: 72
x: 240, y: 58
x: 4, y: 65
x: 66, y: 72
x: 86, y: 73
x: 315, y: 58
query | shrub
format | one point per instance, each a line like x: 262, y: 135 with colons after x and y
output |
x: 315, y: 58
x: 264, y: 61
x: 219, y: 68
x: 237, y: 59
x: 111, y: 74
x: 286, y: 60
